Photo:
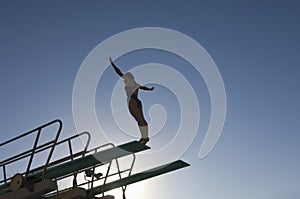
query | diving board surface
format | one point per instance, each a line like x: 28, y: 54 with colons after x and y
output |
x: 91, y: 160
x: 140, y: 176
x: 69, y: 167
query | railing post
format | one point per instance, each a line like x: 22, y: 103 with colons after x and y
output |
x: 4, y: 174
x: 52, y: 149
x: 32, y: 153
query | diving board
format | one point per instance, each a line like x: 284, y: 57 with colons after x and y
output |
x: 100, y: 157
x: 82, y: 163
x: 140, y: 176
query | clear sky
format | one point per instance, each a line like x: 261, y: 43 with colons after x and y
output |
x: 255, y: 45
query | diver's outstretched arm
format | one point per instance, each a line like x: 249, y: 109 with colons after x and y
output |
x: 118, y: 71
x: 147, y: 88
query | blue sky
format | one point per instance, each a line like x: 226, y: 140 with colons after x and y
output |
x: 254, y: 44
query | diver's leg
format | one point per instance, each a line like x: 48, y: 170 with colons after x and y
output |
x: 144, y: 131
x: 136, y: 111
x: 143, y: 126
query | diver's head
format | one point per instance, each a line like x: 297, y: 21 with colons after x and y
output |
x: 128, y: 75
x: 129, y: 79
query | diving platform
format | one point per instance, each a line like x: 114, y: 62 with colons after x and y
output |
x: 91, y: 166
x: 98, y: 158
x: 140, y: 176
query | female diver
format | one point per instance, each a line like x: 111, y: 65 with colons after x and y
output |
x: 134, y: 104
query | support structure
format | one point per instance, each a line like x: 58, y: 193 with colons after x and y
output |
x: 43, y: 181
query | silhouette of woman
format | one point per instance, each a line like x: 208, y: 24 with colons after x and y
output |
x: 134, y: 104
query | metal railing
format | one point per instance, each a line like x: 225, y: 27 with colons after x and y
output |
x: 93, y: 179
x: 72, y: 155
x: 30, y: 153
x: 119, y: 172
x: 43, y: 147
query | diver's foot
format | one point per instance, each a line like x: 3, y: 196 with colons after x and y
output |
x: 144, y: 141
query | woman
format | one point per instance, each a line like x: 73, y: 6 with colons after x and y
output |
x: 134, y: 104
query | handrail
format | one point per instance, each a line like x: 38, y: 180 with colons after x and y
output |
x: 107, y: 175
x: 42, y: 148
x: 51, y: 150
x: 46, y: 146
x: 81, y: 153
x: 32, y: 152
x: 25, y: 154
x: 32, y: 131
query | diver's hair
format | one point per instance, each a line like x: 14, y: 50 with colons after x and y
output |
x: 130, y: 75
